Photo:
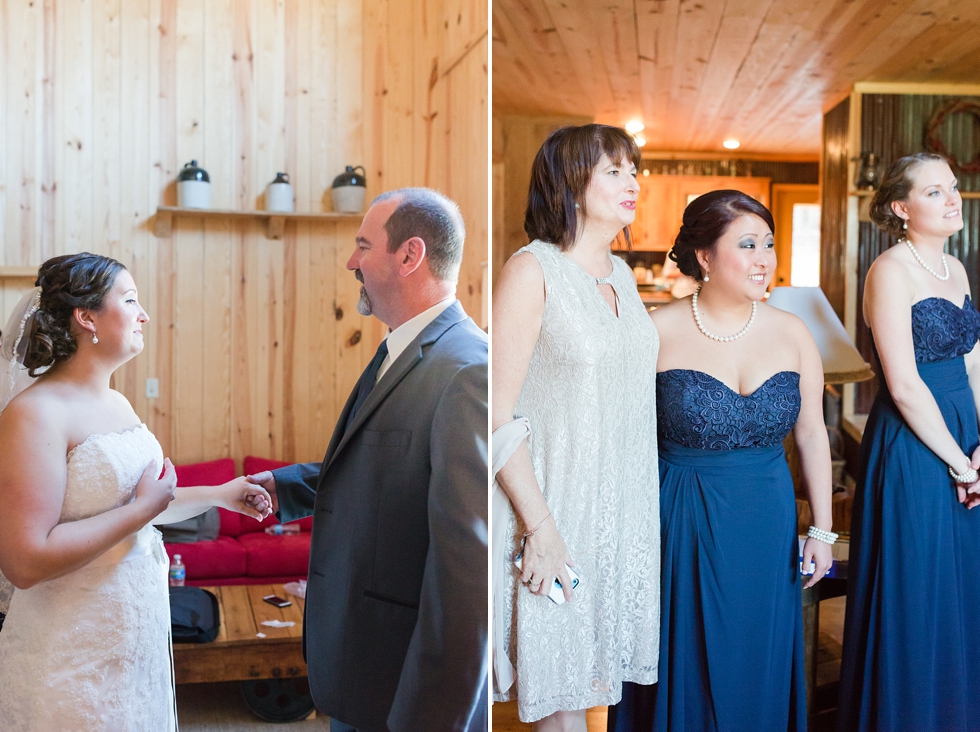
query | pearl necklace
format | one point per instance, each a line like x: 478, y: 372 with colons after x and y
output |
x: 712, y: 336
x: 926, y: 267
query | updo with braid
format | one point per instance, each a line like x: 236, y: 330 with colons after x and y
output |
x: 67, y: 282
x: 706, y: 219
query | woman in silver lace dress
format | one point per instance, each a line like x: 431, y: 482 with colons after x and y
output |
x: 85, y: 645
x: 575, y: 355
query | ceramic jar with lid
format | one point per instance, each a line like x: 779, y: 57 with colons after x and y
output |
x: 193, y: 187
x: 279, y: 194
x: 348, y: 190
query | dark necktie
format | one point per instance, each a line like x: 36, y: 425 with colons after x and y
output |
x: 366, y: 383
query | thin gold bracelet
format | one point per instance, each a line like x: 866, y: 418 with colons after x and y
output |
x: 540, y: 524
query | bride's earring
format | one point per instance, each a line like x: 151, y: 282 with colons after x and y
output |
x: 706, y: 278
x: 905, y: 225
x: 95, y: 338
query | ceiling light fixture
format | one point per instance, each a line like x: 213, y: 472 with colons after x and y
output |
x: 634, y: 126
x: 731, y: 144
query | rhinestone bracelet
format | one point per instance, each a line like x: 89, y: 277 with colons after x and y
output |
x: 970, y: 476
x: 827, y: 537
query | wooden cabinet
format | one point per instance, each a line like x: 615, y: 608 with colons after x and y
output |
x: 663, y: 198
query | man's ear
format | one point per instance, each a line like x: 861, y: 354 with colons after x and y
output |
x: 410, y: 255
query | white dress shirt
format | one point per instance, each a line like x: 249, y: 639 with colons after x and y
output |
x: 399, y: 338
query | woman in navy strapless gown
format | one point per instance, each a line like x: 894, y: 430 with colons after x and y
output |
x: 734, y: 377
x: 911, y: 656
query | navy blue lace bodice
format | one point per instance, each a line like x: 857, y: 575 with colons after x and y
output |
x: 941, y: 331
x: 696, y: 410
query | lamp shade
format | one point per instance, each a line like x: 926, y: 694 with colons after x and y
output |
x: 842, y: 363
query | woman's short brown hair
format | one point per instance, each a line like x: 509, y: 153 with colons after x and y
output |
x: 896, y: 184
x: 560, y: 176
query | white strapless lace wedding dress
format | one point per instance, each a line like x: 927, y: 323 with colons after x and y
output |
x: 90, y: 651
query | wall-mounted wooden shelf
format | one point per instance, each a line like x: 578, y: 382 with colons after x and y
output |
x: 275, y: 220
x: 18, y: 273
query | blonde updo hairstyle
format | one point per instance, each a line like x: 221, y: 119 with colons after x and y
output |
x: 67, y: 282
x: 896, y: 184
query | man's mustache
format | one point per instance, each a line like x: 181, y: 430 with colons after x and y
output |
x: 358, y: 276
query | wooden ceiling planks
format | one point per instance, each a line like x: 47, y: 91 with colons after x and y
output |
x: 584, y: 58
x: 696, y: 73
x: 527, y: 42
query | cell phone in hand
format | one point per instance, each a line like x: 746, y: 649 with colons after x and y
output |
x: 811, y: 570
x: 277, y: 601
x: 557, y: 595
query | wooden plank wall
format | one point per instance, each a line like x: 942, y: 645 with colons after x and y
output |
x: 833, y: 204
x: 426, y: 74
x: 256, y: 342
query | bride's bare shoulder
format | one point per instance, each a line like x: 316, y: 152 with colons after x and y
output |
x: 38, y: 410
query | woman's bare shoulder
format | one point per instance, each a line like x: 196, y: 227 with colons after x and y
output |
x: 673, y: 313
x: 521, y: 270
x: 786, y: 326
x: 37, y: 409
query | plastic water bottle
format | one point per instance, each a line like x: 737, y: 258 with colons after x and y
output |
x: 178, y: 572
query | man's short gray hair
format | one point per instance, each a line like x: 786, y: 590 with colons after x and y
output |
x: 436, y: 220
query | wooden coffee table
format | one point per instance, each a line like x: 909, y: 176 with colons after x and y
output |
x: 238, y: 653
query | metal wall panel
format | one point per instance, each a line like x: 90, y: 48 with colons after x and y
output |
x: 893, y: 125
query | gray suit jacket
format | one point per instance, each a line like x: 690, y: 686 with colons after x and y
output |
x: 395, y: 634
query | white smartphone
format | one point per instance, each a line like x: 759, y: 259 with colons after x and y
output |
x: 557, y: 595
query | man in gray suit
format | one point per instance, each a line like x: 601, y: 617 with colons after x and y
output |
x: 395, y: 633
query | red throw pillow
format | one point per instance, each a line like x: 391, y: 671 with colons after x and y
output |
x: 254, y: 465
x: 213, y: 472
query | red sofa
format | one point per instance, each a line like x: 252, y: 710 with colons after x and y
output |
x: 243, y: 554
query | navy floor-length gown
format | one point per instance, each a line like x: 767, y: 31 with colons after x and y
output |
x: 911, y: 655
x: 731, y: 650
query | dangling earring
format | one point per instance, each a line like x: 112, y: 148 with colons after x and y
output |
x: 905, y: 225
x: 95, y: 338
x: 577, y: 206
x: 706, y: 278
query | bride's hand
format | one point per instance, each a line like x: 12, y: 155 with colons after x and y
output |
x: 245, y: 498
x: 545, y: 557
x: 156, y: 492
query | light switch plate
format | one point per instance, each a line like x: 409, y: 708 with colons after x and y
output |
x: 152, y: 388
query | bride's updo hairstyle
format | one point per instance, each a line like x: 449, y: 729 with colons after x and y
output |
x: 896, y: 184
x: 67, y: 282
x: 706, y: 219
x: 560, y: 176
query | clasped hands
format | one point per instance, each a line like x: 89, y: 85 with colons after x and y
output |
x: 969, y: 493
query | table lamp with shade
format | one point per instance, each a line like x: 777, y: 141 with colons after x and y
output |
x: 841, y: 361
x: 842, y: 364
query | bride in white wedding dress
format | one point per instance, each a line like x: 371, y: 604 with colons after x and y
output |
x: 85, y: 646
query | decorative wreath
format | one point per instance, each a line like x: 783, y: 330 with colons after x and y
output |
x: 935, y: 144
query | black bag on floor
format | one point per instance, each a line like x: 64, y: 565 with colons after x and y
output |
x: 193, y: 615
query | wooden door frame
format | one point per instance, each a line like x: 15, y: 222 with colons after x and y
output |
x: 784, y: 196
